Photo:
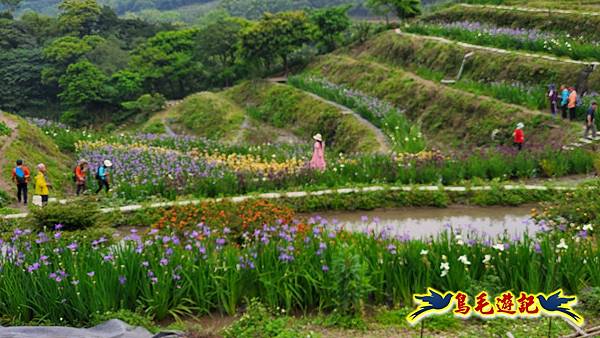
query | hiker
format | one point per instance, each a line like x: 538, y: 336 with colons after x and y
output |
x: 318, y: 157
x: 564, y: 95
x: 41, y: 184
x: 80, y: 176
x: 20, y: 175
x: 572, y: 105
x: 103, y: 176
x: 519, y: 136
x: 553, y: 96
x: 590, y: 120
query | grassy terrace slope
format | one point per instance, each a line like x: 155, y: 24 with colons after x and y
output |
x: 204, y: 114
x: 449, y: 117
x: 260, y: 112
x: 33, y: 146
x: 288, y: 108
x: 416, y: 52
x: 575, y: 25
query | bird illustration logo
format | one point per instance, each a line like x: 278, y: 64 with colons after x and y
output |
x: 433, y: 302
x: 556, y: 304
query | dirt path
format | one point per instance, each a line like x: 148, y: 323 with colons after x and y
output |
x: 496, y: 50
x: 382, y: 139
x: 165, y: 119
x: 6, y: 186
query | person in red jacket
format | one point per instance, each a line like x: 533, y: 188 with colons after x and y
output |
x: 519, y: 136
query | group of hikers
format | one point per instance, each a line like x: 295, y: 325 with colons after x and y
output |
x: 567, y: 99
x: 21, y: 176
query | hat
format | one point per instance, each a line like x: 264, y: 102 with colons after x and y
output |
x: 520, y: 125
x: 41, y: 166
x: 82, y: 161
x: 318, y: 137
x: 107, y: 163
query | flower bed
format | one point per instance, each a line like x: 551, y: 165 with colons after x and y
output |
x: 317, y: 266
x: 511, y: 38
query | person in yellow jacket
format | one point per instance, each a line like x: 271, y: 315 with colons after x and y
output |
x: 41, y: 183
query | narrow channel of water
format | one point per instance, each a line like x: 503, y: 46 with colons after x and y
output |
x: 424, y: 222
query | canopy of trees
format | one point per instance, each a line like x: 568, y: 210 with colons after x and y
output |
x: 88, y: 65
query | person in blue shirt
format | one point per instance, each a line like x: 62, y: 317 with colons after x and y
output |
x: 564, y: 100
x: 103, y: 176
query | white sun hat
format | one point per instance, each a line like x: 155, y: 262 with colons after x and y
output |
x: 318, y: 137
x: 107, y: 163
x: 520, y: 125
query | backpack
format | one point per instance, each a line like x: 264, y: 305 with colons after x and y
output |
x: 98, y: 174
x: 20, y: 174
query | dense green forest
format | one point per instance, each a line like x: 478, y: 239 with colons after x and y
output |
x: 87, y: 65
x: 177, y: 10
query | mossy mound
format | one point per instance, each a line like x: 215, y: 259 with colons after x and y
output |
x: 288, y: 108
x: 449, y: 117
x: 209, y: 115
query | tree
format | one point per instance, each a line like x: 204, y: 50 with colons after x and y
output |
x: 217, y: 46
x: 21, y: 87
x: 10, y: 5
x: 167, y: 63
x: 331, y: 23
x: 403, y: 9
x: 276, y: 35
x: 83, y: 88
x: 79, y: 17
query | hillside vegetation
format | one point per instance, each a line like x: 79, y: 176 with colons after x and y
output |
x: 585, y: 26
x: 209, y: 115
x: 587, y: 5
x: 33, y: 147
x: 286, y: 107
x: 450, y: 117
x: 416, y: 53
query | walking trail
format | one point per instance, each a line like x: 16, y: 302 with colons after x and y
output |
x: 7, y: 141
x: 555, y: 187
x: 165, y: 119
x: 576, y: 144
x: 382, y: 139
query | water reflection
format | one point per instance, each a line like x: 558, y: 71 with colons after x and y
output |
x: 423, y: 222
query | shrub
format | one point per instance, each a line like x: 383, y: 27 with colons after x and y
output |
x: 72, y: 216
x: 146, y: 104
x: 4, y: 129
x: 259, y: 322
x: 5, y: 198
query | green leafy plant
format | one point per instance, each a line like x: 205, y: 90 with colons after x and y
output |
x: 4, y: 129
x: 72, y: 216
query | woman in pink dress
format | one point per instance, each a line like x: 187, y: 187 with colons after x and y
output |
x: 318, y: 157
